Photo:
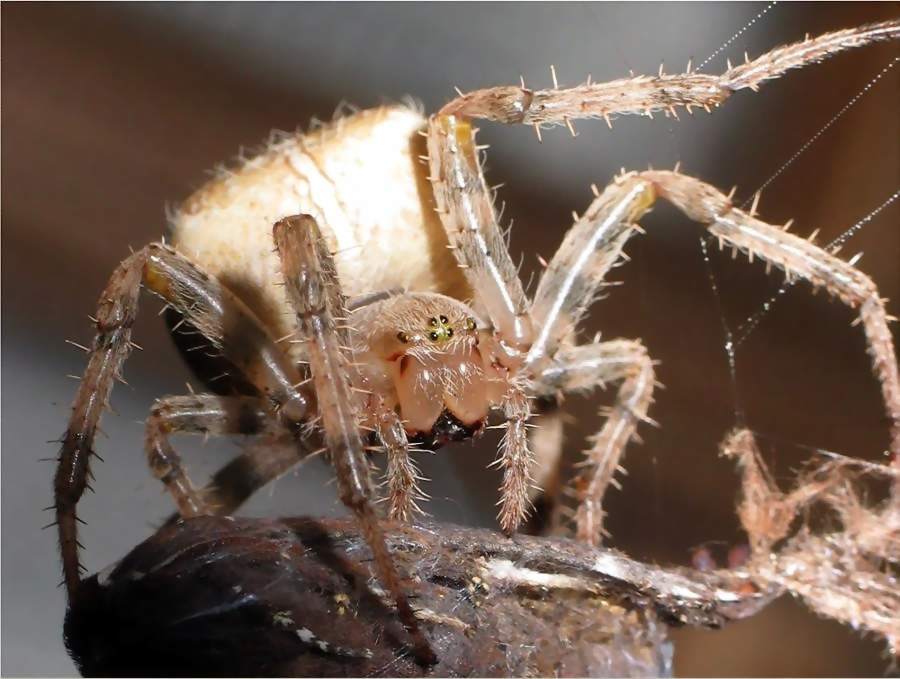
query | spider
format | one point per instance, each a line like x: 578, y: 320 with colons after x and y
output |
x: 389, y: 313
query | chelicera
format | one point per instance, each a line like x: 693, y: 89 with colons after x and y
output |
x: 389, y: 312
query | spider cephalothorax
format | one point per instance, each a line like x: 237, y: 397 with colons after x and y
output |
x: 356, y: 213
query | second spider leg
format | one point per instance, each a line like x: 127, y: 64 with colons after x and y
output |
x: 229, y: 326
x: 595, y: 243
x: 467, y: 212
x: 314, y: 292
x: 798, y: 258
x: 199, y: 414
x: 581, y: 369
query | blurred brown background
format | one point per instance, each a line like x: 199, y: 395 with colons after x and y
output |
x: 110, y: 112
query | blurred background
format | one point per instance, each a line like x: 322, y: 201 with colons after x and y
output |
x: 112, y: 112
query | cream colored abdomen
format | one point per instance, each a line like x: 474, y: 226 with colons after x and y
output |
x: 361, y: 178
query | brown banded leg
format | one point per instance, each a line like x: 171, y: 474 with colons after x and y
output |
x: 223, y: 319
x: 582, y: 369
x: 314, y: 291
x: 199, y: 414
x: 260, y: 462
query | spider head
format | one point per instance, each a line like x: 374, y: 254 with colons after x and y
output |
x: 429, y: 352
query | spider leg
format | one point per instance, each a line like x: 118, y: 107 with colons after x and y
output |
x: 582, y: 368
x: 516, y: 460
x: 259, y: 463
x: 797, y: 257
x: 595, y: 244
x: 402, y: 474
x: 566, y: 289
x: 576, y: 273
x: 314, y: 291
x: 221, y: 317
x: 199, y: 414
x: 646, y: 95
x: 467, y: 213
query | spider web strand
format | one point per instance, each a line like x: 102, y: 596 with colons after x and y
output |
x: 736, y: 35
x: 729, y: 337
x: 812, y: 140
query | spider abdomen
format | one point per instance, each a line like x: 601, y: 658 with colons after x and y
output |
x: 362, y: 180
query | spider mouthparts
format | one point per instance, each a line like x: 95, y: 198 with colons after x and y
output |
x: 446, y: 428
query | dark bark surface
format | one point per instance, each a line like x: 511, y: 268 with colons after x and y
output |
x: 221, y: 596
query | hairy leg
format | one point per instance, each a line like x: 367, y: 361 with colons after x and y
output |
x: 402, y: 477
x: 595, y: 244
x: 467, y: 213
x: 199, y: 414
x: 222, y: 318
x: 582, y: 368
x: 576, y: 273
x: 646, y: 95
x: 402, y: 474
x: 314, y: 291
x: 516, y: 460
x: 466, y: 209
x: 798, y: 258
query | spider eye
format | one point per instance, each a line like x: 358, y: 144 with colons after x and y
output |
x: 442, y: 330
x: 403, y: 337
x: 470, y: 324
